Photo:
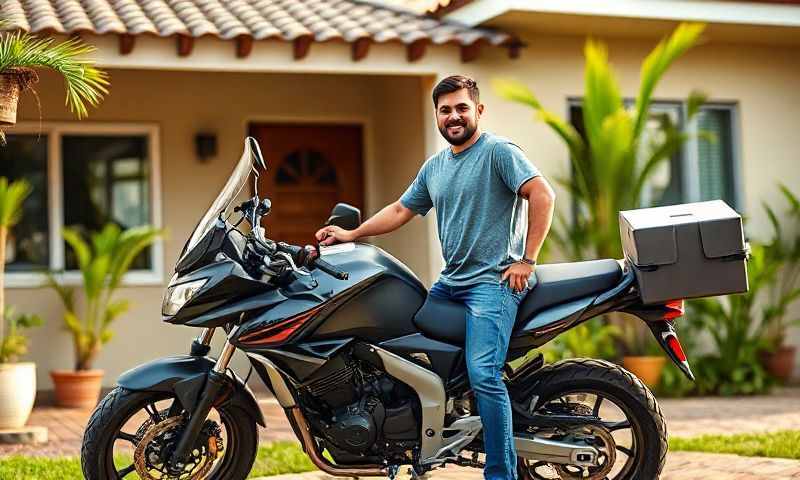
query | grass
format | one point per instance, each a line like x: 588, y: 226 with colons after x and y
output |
x: 272, y: 459
x: 782, y: 444
x: 287, y: 457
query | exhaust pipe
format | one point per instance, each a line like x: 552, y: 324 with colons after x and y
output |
x: 321, y: 462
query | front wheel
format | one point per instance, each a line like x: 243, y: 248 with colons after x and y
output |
x: 632, y: 438
x: 132, y: 432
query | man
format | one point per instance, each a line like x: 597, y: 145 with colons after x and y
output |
x: 485, y: 192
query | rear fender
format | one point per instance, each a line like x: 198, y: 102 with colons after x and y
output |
x: 185, y: 376
x: 659, y: 319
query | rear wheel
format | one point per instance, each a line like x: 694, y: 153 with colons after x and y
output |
x: 130, y: 433
x: 632, y: 439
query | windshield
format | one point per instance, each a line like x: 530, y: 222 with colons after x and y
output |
x: 229, y: 192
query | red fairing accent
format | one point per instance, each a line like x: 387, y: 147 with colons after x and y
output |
x: 279, y: 332
x: 674, y: 309
x: 675, y: 345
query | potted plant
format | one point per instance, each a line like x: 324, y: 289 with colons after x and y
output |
x: 736, y: 326
x: 783, y: 252
x: 21, y: 53
x: 103, y: 262
x: 17, y: 380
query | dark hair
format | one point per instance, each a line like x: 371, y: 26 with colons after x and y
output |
x: 455, y: 83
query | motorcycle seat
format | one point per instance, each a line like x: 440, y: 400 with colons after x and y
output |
x: 556, y: 283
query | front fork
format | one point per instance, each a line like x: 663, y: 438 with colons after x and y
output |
x: 215, y: 380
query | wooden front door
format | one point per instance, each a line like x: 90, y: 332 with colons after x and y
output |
x: 310, y: 168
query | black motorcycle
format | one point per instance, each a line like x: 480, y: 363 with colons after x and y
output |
x: 369, y: 371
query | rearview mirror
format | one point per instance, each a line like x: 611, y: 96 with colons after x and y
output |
x: 345, y: 216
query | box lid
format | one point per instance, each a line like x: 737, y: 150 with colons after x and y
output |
x: 648, y: 234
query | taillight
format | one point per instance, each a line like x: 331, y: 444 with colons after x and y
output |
x: 673, y: 309
x: 675, y: 346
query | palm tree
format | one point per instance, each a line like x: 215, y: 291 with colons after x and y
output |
x: 21, y: 53
x: 103, y: 263
x: 612, y: 163
x: 12, y: 196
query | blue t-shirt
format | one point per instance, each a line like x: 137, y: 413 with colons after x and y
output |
x: 482, y: 221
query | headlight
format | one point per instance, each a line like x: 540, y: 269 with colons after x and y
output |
x: 177, y: 296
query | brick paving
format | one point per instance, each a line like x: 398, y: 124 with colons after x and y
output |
x: 685, y: 417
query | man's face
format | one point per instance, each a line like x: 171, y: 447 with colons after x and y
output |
x: 457, y: 116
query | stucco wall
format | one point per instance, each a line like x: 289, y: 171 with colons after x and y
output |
x: 182, y: 104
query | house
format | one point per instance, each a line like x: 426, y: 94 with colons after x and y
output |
x: 338, y: 94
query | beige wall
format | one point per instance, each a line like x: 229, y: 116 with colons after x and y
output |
x: 182, y: 104
x: 399, y: 134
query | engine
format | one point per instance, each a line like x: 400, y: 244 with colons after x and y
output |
x: 361, y: 414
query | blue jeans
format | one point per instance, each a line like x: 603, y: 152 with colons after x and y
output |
x: 491, y: 311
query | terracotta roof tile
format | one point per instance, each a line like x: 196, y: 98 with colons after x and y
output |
x: 322, y: 20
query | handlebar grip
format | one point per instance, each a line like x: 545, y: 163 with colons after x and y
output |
x: 330, y: 269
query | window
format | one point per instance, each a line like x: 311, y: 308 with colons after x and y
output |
x: 83, y: 175
x: 703, y: 169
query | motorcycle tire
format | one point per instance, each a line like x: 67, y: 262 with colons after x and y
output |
x: 614, y: 382
x: 120, y: 405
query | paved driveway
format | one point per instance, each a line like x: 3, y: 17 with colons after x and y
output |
x: 680, y: 466
x: 685, y: 417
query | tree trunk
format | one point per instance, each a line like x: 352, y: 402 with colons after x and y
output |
x: 3, y: 237
x: 86, y: 359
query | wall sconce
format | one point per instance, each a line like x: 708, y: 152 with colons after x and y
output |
x: 205, y: 145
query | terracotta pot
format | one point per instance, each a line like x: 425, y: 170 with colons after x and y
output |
x: 77, y: 389
x: 17, y: 393
x: 648, y: 369
x: 780, y: 363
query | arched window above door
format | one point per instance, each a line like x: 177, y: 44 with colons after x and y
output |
x: 306, y: 168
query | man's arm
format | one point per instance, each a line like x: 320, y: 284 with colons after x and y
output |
x: 541, y: 200
x: 389, y: 219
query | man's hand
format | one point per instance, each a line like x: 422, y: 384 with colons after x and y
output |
x: 331, y: 234
x: 518, y: 275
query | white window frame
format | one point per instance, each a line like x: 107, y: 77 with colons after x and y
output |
x: 54, y: 131
x: 690, y: 179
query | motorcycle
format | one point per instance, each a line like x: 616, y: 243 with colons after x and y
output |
x: 369, y: 371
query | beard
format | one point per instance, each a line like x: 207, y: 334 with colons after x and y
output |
x: 467, y: 131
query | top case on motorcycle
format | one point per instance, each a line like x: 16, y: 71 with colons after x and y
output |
x: 556, y: 283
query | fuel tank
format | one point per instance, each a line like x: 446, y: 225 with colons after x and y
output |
x: 376, y: 303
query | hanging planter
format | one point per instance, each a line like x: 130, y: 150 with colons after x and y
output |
x: 21, y: 53
x: 13, y: 82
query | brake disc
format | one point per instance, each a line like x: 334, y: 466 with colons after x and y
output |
x: 605, y: 444
x: 148, y: 461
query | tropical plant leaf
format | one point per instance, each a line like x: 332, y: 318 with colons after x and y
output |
x: 79, y: 246
x: 103, y: 261
x: 84, y: 82
x: 602, y: 96
x: 12, y: 197
x: 658, y: 61
x: 113, y: 311
x: 131, y: 243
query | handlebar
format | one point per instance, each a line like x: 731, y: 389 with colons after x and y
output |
x: 310, y: 257
x: 330, y: 269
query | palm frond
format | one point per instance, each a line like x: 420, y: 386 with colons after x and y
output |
x: 84, y: 82
x: 12, y: 196
x: 658, y: 61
